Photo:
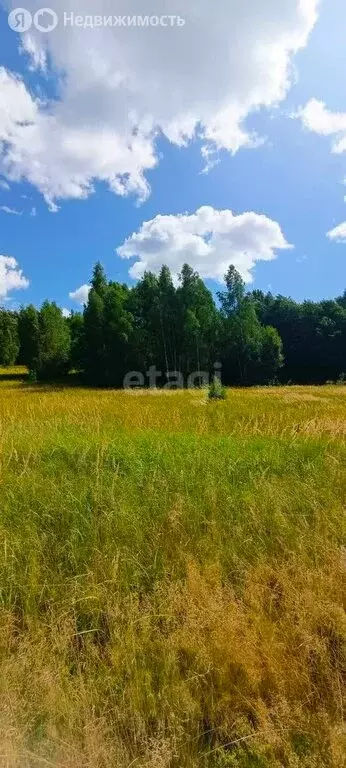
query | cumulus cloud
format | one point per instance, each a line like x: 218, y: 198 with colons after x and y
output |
x: 80, y: 296
x: 317, y: 118
x: 209, y: 240
x: 11, y: 277
x: 120, y: 87
x: 62, y: 159
x: 338, y: 234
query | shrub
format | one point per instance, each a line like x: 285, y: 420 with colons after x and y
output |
x: 216, y: 390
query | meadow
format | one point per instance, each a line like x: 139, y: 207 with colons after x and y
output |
x: 172, y: 578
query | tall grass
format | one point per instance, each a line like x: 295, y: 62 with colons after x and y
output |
x: 172, y: 578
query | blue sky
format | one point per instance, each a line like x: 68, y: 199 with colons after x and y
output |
x: 293, y: 178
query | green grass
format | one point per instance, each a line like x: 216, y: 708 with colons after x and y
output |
x: 172, y: 578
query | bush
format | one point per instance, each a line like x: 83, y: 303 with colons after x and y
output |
x: 216, y: 390
x: 32, y: 377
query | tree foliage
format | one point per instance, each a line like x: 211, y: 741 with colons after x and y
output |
x: 9, y: 338
x: 45, y: 341
x: 257, y: 337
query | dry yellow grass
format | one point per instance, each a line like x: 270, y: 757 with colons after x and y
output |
x: 172, y: 578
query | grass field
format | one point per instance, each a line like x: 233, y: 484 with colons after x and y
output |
x: 172, y: 578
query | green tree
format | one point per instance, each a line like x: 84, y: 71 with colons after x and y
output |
x: 232, y: 298
x: 153, y: 305
x: 9, y: 338
x: 272, y: 357
x: 54, y: 342
x: 28, y: 329
x: 94, y: 362
x: 107, y: 331
x: 251, y: 352
x: 313, y: 335
x: 257, y: 336
x: 116, y: 334
x: 167, y: 319
x: 77, y: 332
x: 241, y: 331
x: 146, y: 339
x: 99, y: 280
x: 197, y: 323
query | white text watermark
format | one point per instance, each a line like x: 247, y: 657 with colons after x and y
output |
x: 154, y: 378
x: 46, y: 20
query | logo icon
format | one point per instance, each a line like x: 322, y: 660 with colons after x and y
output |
x: 45, y: 20
x: 20, y: 20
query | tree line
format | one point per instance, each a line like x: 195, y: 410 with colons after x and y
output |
x: 257, y: 338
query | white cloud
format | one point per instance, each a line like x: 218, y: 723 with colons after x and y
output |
x: 119, y: 87
x: 37, y: 54
x: 11, y: 211
x: 80, y: 296
x: 317, y: 118
x: 338, y: 233
x: 4, y: 185
x: 62, y: 158
x: 66, y: 312
x: 33, y: 212
x: 11, y: 277
x: 209, y: 240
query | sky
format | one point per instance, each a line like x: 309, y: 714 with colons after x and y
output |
x: 215, y: 134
